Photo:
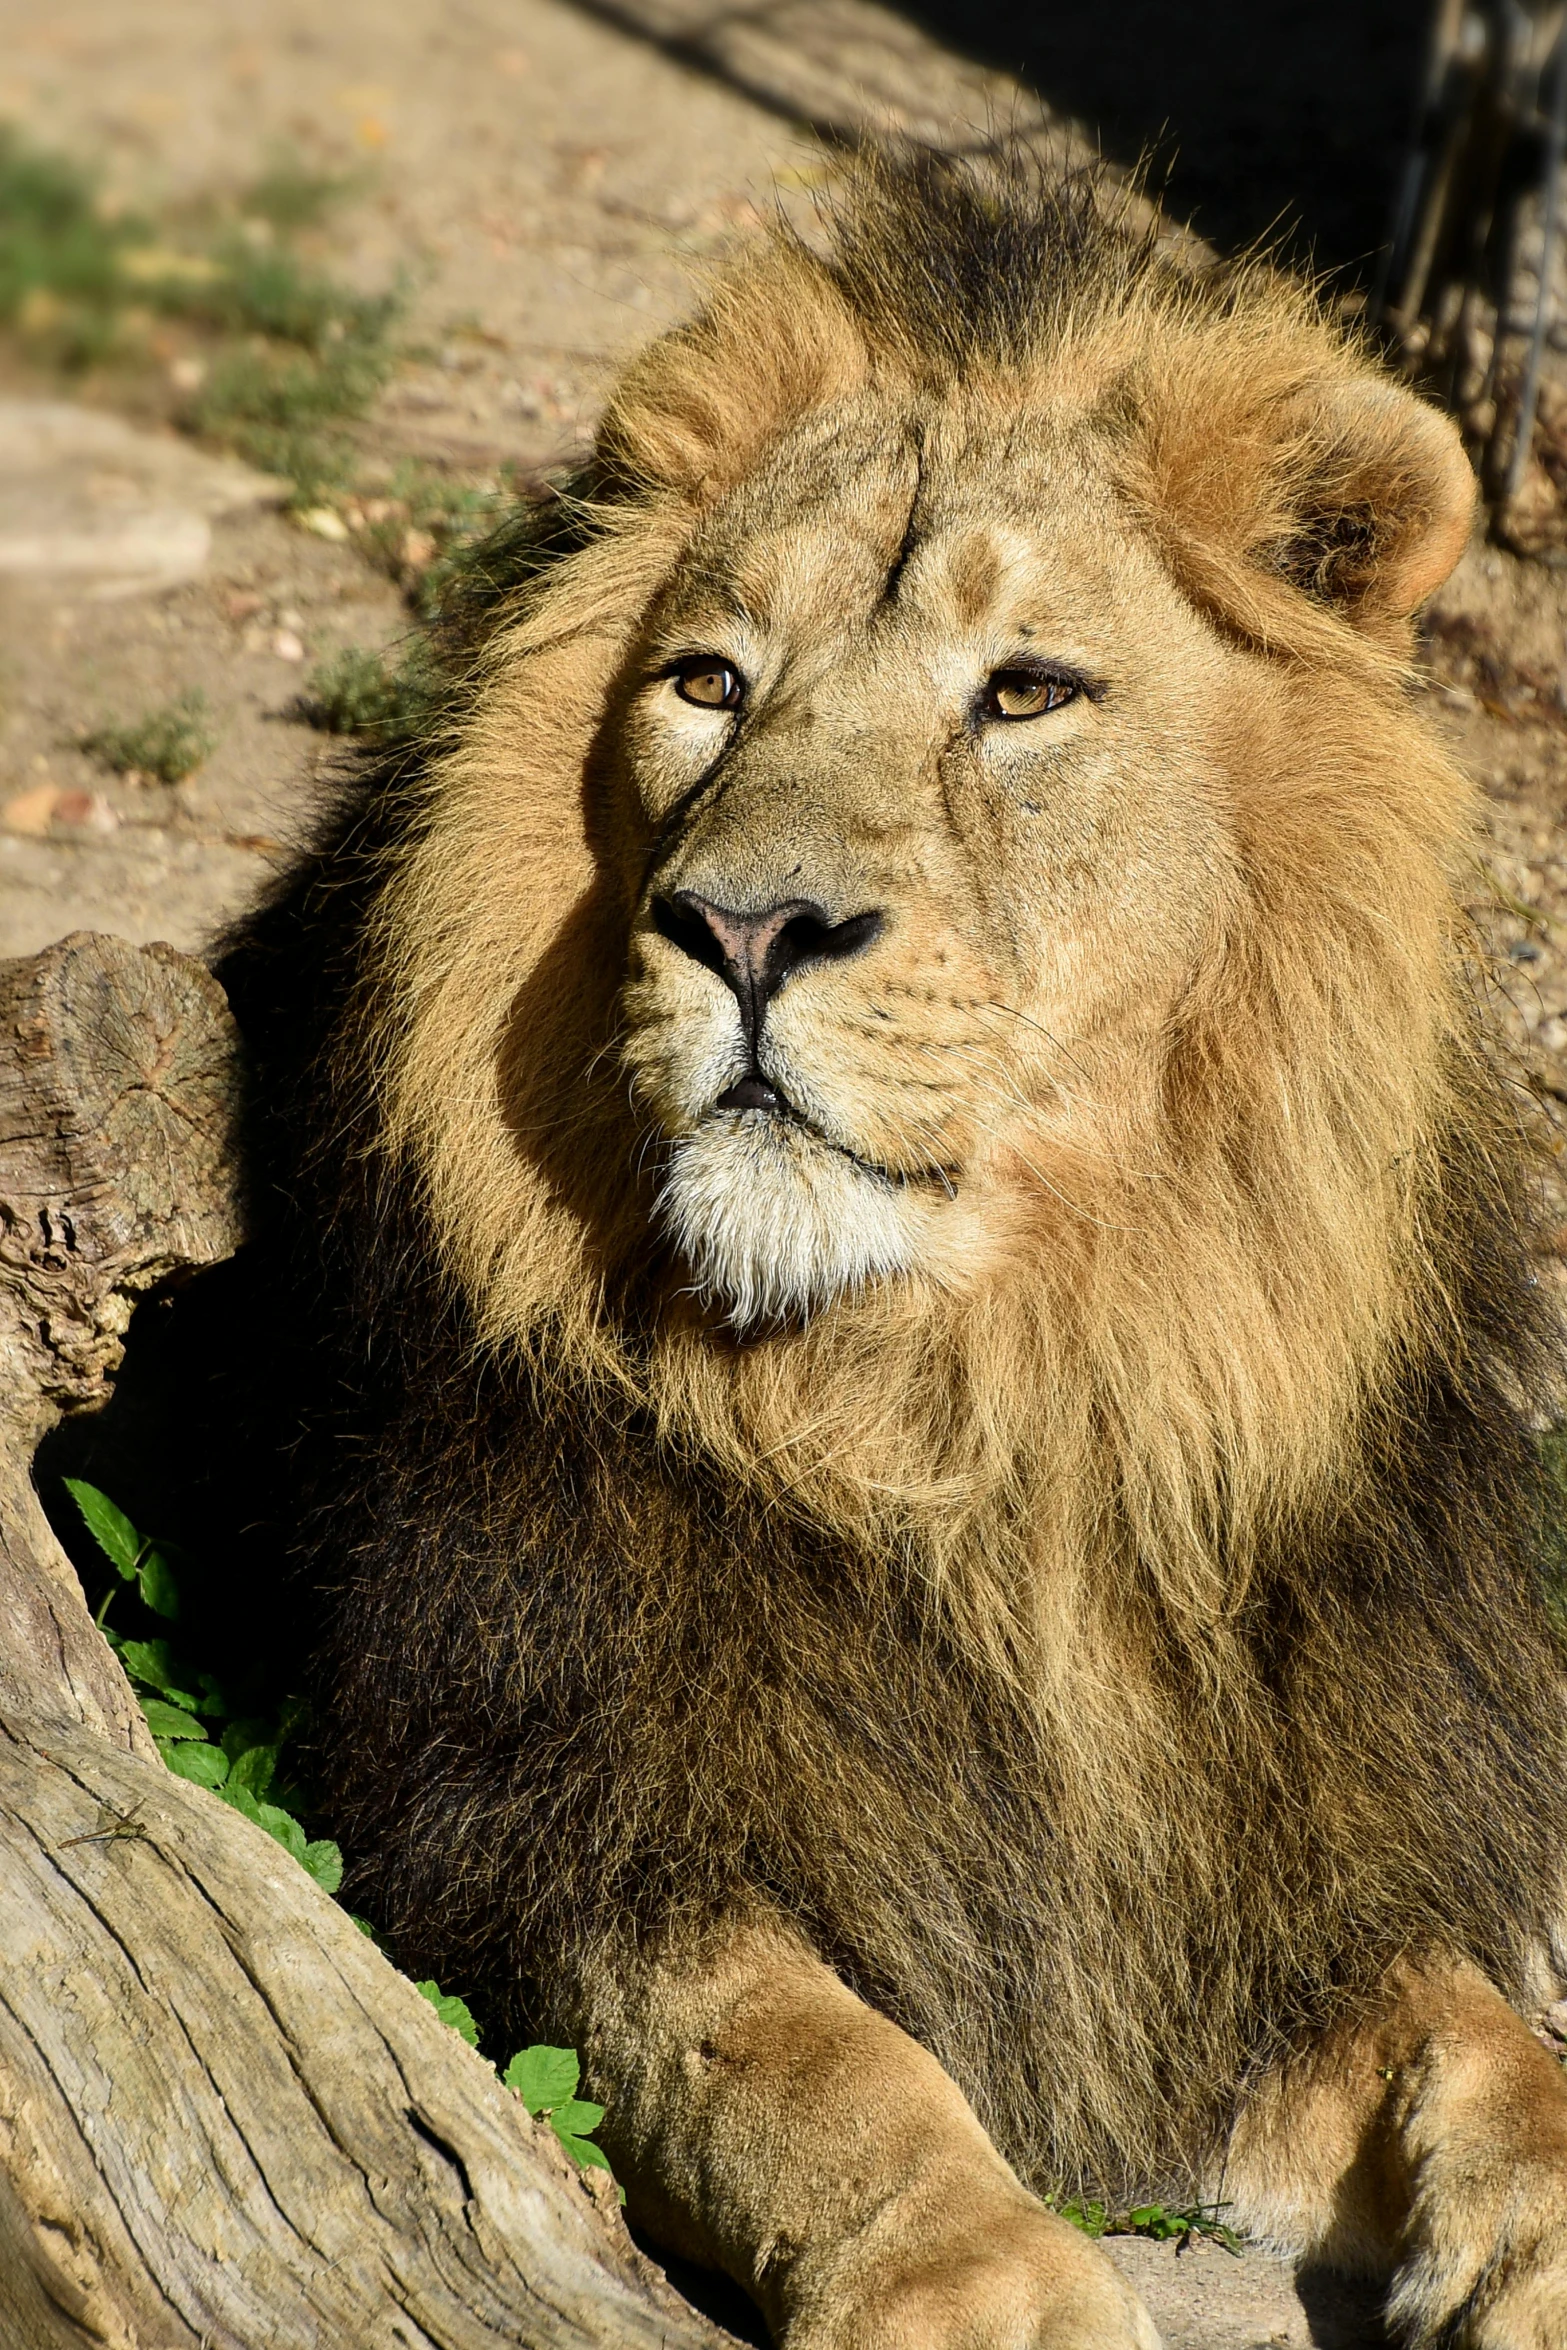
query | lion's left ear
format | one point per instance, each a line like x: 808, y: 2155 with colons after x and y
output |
x: 1383, y: 499
x: 1284, y: 506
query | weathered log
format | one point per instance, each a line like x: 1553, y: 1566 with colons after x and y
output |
x: 118, y: 1094
x: 226, y: 2121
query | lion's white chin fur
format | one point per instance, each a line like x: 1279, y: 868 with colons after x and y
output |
x: 775, y: 1223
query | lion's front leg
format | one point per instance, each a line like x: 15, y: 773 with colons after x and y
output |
x: 1429, y: 2147
x: 769, y: 2123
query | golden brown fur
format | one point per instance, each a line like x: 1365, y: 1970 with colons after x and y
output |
x: 1047, y: 1528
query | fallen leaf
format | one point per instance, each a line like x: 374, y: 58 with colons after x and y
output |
x: 32, y: 812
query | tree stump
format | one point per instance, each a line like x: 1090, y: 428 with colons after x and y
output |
x: 226, y: 2121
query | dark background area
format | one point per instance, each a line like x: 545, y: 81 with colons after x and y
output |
x: 1290, y: 115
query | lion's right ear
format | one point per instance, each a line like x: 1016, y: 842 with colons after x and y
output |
x: 1288, y: 495
x: 693, y: 413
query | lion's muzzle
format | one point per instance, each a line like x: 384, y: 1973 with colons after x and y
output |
x: 753, y: 954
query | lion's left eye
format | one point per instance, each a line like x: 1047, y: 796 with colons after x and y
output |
x: 710, y: 683
x: 1026, y: 693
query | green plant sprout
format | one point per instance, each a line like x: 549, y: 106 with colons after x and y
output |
x: 454, y: 2012
x: 181, y: 1705
x: 287, y: 354
x: 61, y: 279
x: 545, y: 2079
x: 238, y: 1767
x: 1158, y: 2220
x: 169, y: 742
x: 356, y: 692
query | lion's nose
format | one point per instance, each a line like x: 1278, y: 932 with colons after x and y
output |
x: 755, y: 953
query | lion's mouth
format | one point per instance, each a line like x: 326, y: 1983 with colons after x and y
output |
x: 759, y: 1097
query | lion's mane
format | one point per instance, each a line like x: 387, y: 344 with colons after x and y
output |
x: 1110, y: 1677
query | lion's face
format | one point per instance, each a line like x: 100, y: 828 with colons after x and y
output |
x: 929, y: 748
x: 961, y: 782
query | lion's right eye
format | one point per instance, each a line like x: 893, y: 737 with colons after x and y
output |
x: 712, y: 685
x: 1028, y: 693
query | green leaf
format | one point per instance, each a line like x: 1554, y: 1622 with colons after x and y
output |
x: 543, y: 2077
x: 204, y: 1766
x: 365, y: 1928
x: 574, y: 2117
x: 586, y: 2155
x: 253, y: 1768
x: 108, y: 1525
x: 158, y: 1587
x: 277, y: 1823
x: 168, y: 1721
x: 152, y: 1662
x: 451, y: 2010
x: 283, y: 1826
x: 324, y: 1860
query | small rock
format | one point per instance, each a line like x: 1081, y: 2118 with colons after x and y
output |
x: 325, y: 522
x: 187, y: 375
x: 243, y: 605
x: 116, y: 555
x: 287, y: 646
x: 418, y: 549
x: 88, y: 498
x: 88, y: 810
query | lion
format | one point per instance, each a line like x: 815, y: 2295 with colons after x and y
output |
x: 893, y: 1176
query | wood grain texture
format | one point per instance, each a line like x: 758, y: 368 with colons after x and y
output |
x: 119, y: 1096
x: 226, y: 2122
x: 231, y: 2121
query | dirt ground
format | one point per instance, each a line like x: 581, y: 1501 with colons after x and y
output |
x: 551, y: 184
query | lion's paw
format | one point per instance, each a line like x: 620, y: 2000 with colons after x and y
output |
x: 1471, y: 2289
x: 1037, y: 2284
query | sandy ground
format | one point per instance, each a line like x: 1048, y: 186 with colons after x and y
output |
x: 549, y: 187
x: 552, y: 187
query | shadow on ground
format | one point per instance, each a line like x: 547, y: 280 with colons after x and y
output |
x: 1293, y: 115
x: 1282, y: 125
